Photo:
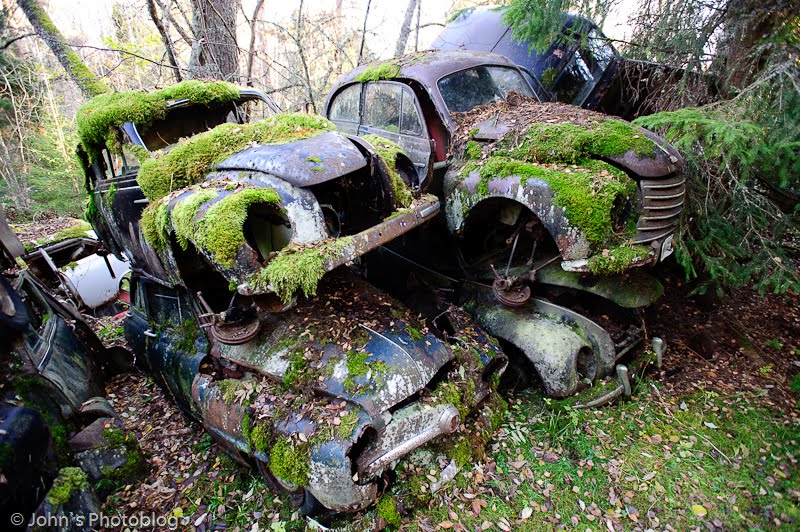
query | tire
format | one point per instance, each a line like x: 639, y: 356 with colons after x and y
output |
x: 13, y: 323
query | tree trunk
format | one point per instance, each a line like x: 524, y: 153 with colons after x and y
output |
x: 363, y: 34
x: 251, y: 52
x: 89, y: 84
x: 165, y: 38
x: 405, y: 28
x: 215, y: 54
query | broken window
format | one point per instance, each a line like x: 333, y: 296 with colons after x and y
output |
x: 480, y: 85
x: 410, y: 123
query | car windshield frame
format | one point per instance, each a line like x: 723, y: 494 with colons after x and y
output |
x: 530, y: 92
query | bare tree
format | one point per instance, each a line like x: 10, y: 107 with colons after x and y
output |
x: 165, y: 38
x: 405, y: 28
x: 364, y: 33
x: 86, y: 80
x: 215, y: 53
x: 251, y: 52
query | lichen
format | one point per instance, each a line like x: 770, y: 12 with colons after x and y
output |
x: 617, y: 260
x: 188, y: 161
x: 386, y: 70
x: 298, y: 268
x: 588, y: 192
x: 291, y: 461
x: 388, y: 151
x: 70, y: 480
x: 99, y: 117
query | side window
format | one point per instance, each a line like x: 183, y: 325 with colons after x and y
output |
x: 345, y: 106
x: 410, y: 123
x: 165, y: 306
x: 119, y: 164
x: 382, y: 106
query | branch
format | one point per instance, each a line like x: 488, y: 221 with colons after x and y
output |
x: 15, y: 39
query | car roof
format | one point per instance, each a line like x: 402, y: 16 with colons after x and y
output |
x: 429, y: 66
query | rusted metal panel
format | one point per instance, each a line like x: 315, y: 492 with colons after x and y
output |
x: 302, y: 163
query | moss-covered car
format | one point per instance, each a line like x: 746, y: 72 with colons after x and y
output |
x: 320, y: 381
x: 541, y: 199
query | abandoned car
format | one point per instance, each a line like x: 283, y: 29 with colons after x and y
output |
x: 54, y: 367
x: 550, y: 210
x: 582, y: 67
x: 320, y: 381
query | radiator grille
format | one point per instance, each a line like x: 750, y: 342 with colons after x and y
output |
x: 662, y: 203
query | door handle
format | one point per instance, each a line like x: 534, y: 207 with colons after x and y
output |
x: 150, y: 334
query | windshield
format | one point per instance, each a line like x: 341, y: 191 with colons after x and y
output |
x: 467, y: 89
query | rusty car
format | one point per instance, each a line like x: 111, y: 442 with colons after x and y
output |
x: 581, y: 66
x: 550, y: 211
x: 232, y: 219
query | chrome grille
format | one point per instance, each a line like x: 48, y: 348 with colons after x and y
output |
x: 662, y: 203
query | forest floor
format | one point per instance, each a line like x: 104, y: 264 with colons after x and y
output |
x: 712, y: 441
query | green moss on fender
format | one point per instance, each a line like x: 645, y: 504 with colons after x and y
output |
x: 291, y: 461
x: 298, y: 268
x: 184, y: 213
x: 70, y: 480
x: 617, y: 260
x: 388, y: 151
x: 189, y: 161
x: 155, y: 224
x: 588, y: 192
x: 387, y: 70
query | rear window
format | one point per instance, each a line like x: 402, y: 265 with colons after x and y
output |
x: 467, y: 89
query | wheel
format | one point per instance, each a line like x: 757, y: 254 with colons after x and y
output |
x: 13, y: 313
x: 301, y: 499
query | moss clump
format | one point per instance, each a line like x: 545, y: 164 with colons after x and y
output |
x: 291, y: 462
x: 589, y: 193
x: 70, y: 480
x: 387, y: 70
x: 358, y: 365
x: 189, y: 161
x: 183, y: 214
x: 414, y: 333
x: 549, y: 77
x: 220, y: 231
x: 294, y: 372
x: 298, y: 268
x: 474, y: 149
x: 387, y: 510
x: 99, y: 117
x: 155, y: 225
x: 228, y: 389
x: 460, y: 395
x: 617, y: 260
x: 261, y: 437
x: 388, y: 151
x: 347, y: 425
x: 570, y: 143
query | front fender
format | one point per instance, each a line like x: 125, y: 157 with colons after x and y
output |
x: 464, y: 193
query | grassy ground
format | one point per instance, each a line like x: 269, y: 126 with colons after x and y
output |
x: 654, y: 461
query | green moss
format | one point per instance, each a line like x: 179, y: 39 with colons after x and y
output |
x: 589, y: 193
x: 347, y: 424
x: 112, y: 191
x: 294, y: 371
x: 78, y: 230
x: 70, y: 480
x: 549, y: 77
x: 135, y: 465
x: 219, y: 231
x: 387, y: 510
x: 228, y: 389
x: 99, y: 117
x: 188, y: 332
x: 617, y: 260
x: 570, y: 143
x: 290, y: 461
x: 246, y: 426
x: 387, y: 70
x: 189, y: 161
x: 460, y: 395
x: 313, y: 159
x: 298, y: 268
x: 474, y: 149
x: 155, y: 225
x: 184, y: 213
x: 388, y: 151
x: 414, y: 333
x: 91, y: 212
x: 261, y: 437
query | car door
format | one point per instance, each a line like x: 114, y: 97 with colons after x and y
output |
x: 391, y: 110
x: 174, y: 345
